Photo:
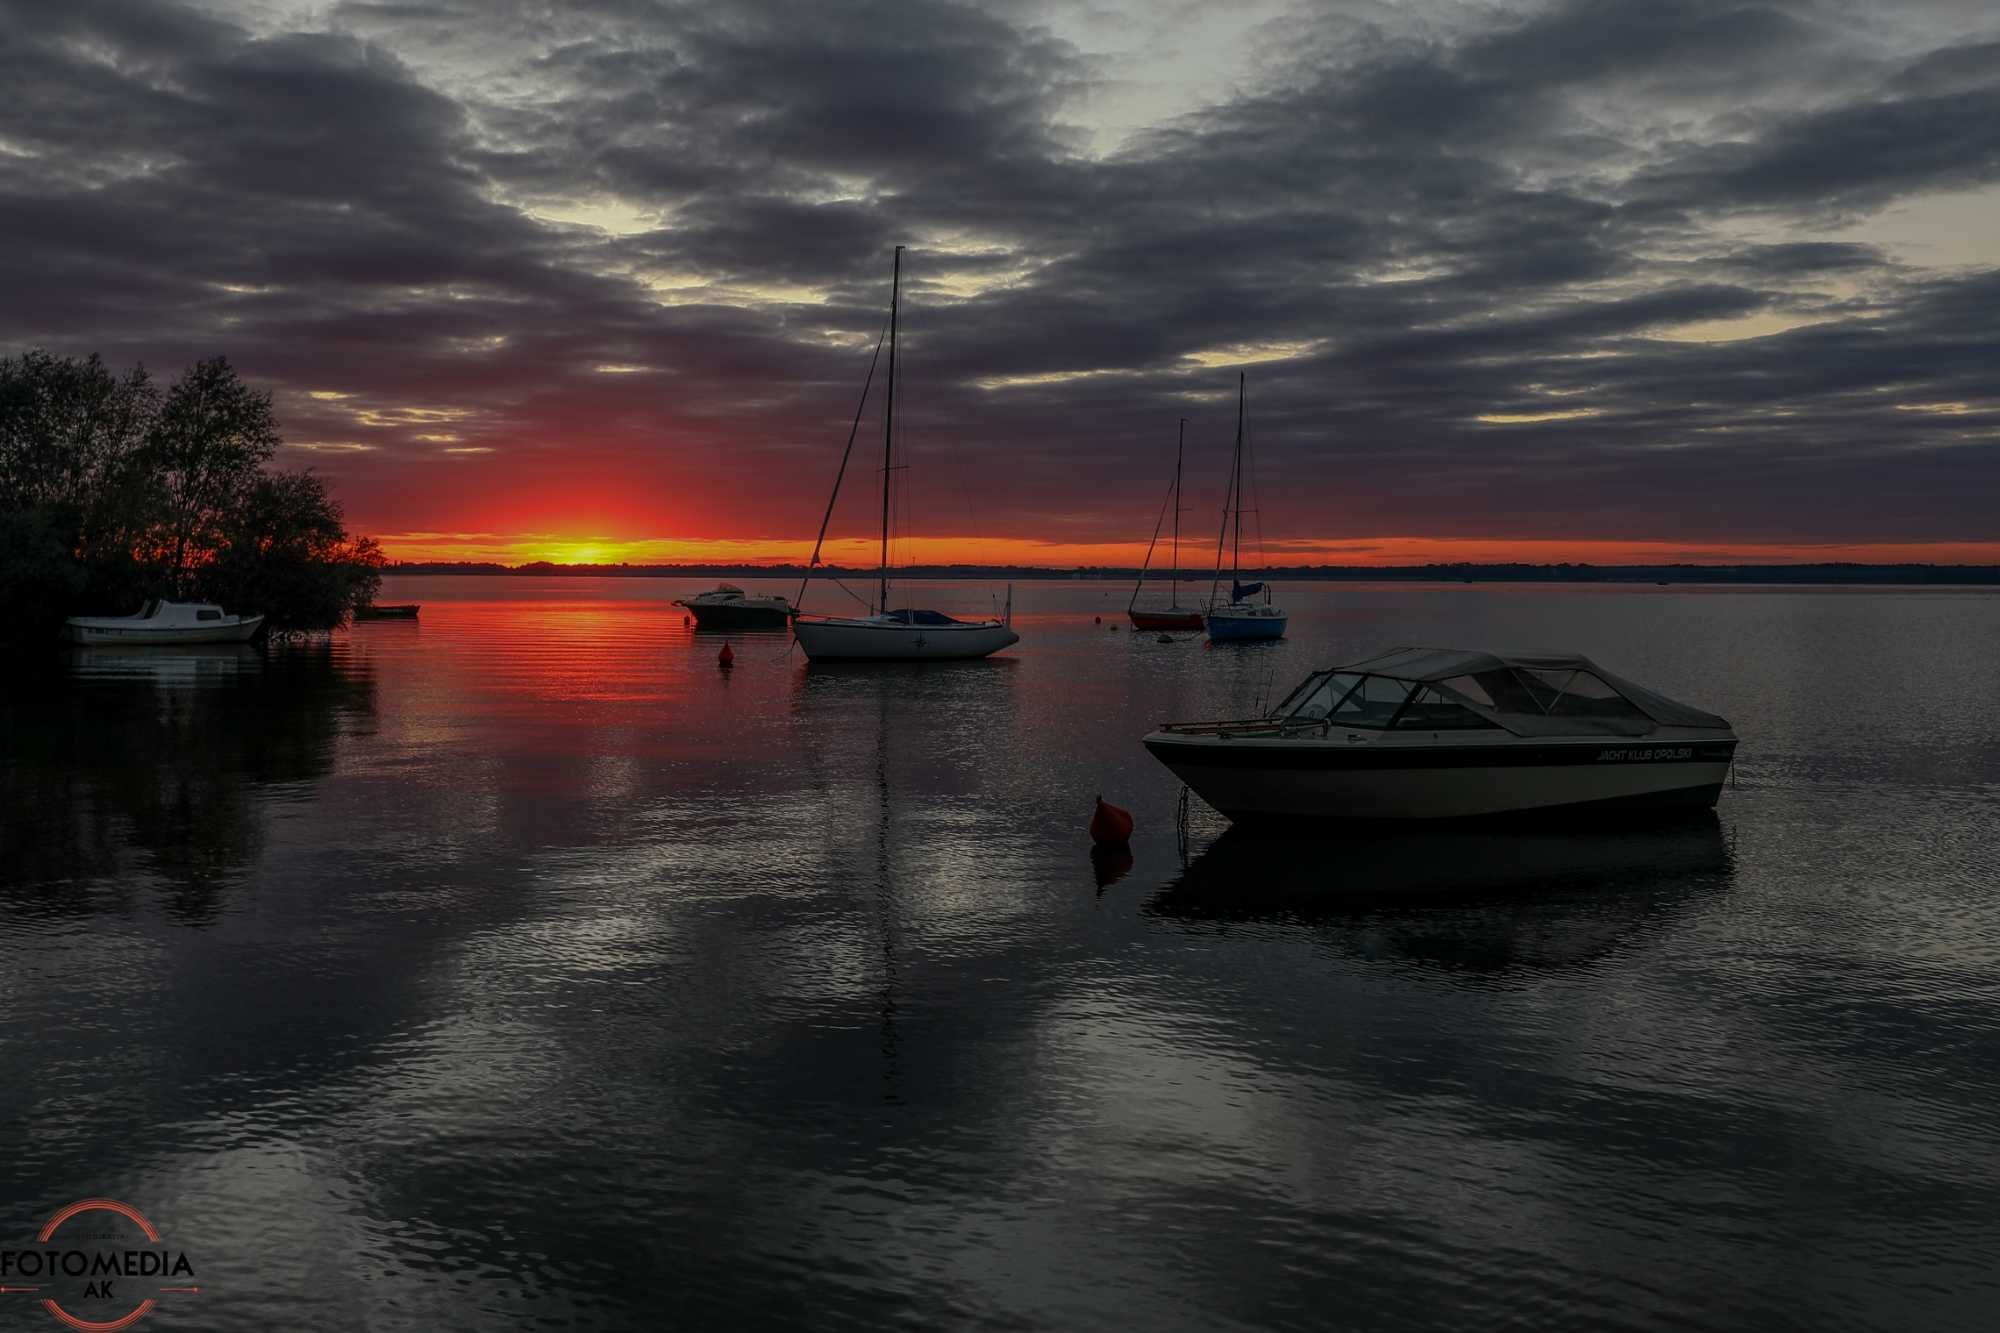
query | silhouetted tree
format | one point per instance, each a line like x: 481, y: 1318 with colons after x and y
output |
x: 283, y: 547
x: 204, y: 450
x: 67, y: 430
x: 111, y: 492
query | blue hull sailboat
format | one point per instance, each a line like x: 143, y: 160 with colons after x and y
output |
x: 1240, y: 619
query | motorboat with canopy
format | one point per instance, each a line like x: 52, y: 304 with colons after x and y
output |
x: 729, y: 607
x: 885, y: 633
x: 1442, y: 733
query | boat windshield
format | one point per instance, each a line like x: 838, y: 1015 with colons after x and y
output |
x: 1352, y: 699
x: 1524, y: 700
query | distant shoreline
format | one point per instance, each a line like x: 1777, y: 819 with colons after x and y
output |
x: 1820, y: 573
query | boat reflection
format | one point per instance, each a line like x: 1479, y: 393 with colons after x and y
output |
x: 166, y: 666
x: 1466, y: 899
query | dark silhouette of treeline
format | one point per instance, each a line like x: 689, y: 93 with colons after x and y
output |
x: 114, y: 490
x: 1829, y: 572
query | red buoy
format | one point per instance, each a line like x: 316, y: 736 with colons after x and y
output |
x: 725, y: 658
x: 1097, y: 620
x: 1110, y: 826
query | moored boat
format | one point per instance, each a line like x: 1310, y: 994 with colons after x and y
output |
x: 900, y: 636
x: 1173, y: 615
x: 729, y: 607
x: 907, y: 633
x: 1240, y: 619
x: 162, y: 622
x: 396, y: 611
x: 1441, y: 733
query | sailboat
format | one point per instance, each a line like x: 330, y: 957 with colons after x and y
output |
x: 905, y: 633
x: 1174, y: 615
x: 1239, y: 619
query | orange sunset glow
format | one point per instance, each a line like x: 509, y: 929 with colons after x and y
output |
x: 1195, y: 557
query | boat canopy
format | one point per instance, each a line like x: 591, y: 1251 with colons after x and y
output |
x: 1528, y: 694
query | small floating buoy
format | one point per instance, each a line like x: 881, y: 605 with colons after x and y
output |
x: 726, y: 658
x: 1114, y: 629
x: 1097, y: 620
x: 1110, y: 826
x: 1164, y: 638
x: 685, y: 622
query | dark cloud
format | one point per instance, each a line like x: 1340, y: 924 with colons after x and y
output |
x: 1460, y: 261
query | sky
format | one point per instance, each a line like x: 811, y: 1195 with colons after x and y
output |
x: 1648, y: 280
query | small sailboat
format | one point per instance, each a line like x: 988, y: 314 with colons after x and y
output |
x: 905, y: 633
x: 1173, y: 615
x: 1239, y: 619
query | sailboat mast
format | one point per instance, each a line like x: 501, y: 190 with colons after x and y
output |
x: 1236, y: 546
x: 888, y: 437
x: 1180, y: 447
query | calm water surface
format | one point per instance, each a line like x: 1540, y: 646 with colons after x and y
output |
x: 519, y: 967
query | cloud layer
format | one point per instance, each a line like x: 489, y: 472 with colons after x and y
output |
x: 1644, y: 270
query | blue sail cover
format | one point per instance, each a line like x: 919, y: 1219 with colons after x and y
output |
x: 923, y: 618
x: 1239, y: 591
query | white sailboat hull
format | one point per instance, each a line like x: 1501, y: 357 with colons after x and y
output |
x: 876, y: 639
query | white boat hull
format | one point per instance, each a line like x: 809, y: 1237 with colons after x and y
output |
x: 1255, y: 780
x: 138, y: 635
x: 874, y: 639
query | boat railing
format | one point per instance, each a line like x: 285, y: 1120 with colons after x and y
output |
x: 1246, y: 726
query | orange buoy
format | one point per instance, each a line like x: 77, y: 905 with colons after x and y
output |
x: 726, y: 658
x: 1110, y: 826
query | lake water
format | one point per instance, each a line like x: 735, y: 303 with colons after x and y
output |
x: 520, y: 967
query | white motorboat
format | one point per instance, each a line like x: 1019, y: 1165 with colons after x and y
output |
x: 903, y: 634
x: 729, y: 607
x: 1442, y: 733
x: 161, y: 622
